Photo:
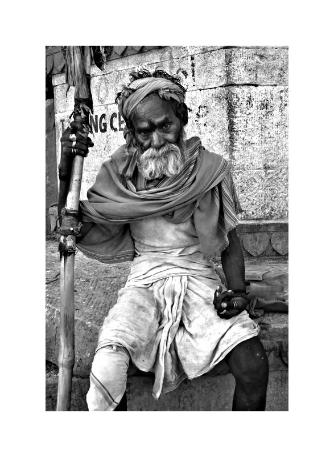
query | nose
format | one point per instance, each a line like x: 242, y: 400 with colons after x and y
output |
x: 157, y: 140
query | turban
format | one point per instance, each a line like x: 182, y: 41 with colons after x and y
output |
x: 140, y: 88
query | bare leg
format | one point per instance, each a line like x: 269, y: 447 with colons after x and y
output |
x: 248, y: 363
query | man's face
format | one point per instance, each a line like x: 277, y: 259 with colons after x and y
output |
x: 155, y: 123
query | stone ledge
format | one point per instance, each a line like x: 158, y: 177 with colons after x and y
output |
x: 263, y: 225
x: 211, y: 392
x: 264, y: 238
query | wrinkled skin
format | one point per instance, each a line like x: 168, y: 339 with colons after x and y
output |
x: 155, y: 123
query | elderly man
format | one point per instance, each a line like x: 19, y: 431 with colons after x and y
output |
x: 169, y: 205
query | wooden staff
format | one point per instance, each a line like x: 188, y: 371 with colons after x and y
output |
x: 66, y: 348
x: 77, y: 74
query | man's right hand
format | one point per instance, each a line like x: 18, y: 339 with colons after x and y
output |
x: 74, y: 141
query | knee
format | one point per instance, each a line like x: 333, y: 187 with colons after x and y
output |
x: 107, y: 378
x: 253, y: 370
x: 110, y: 361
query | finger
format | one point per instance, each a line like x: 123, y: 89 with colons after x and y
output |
x: 84, y: 139
x: 238, y: 303
x: 229, y: 313
x: 80, y: 151
x: 81, y: 144
x: 72, y: 151
x: 220, y: 306
x: 75, y: 126
x: 231, y: 304
x: 217, y: 303
x: 66, y: 138
x: 218, y: 291
x: 217, y: 298
x: 82, y: 135
x: 221, y: 313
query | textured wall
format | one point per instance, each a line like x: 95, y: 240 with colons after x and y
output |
x: 239, y: 107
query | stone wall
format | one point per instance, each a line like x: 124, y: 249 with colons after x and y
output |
x: 238, y: 99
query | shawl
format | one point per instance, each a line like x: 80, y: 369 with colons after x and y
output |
x: 203, y: 190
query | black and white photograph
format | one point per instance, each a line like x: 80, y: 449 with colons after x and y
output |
x: 166, y: 219
x: 167, y: 175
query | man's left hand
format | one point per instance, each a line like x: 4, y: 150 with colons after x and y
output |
x: 229, y: 304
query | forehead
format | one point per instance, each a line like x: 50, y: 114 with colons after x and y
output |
x: 152, y: 109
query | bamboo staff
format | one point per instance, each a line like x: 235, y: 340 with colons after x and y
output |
x: 66, y: 349
x: 77, y: 74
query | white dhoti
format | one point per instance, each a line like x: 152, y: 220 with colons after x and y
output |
x: 164, y: 316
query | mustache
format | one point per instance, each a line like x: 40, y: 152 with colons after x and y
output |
x: 165, y: 161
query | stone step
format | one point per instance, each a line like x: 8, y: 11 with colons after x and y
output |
x: 211, y: 392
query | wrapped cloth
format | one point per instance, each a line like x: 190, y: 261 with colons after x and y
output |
x: 203, y: 190
x: 133, y: 94
x: 164, y: 316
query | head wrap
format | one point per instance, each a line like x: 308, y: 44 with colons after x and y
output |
x: 137, y: 90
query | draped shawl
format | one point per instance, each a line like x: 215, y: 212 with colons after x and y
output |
x: 204, y: 189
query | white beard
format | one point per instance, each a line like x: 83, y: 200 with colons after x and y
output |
x: 166, y: 161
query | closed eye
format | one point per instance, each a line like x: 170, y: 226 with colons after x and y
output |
x: 166, y: 126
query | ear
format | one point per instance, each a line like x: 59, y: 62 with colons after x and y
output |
x: 183, y: 113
